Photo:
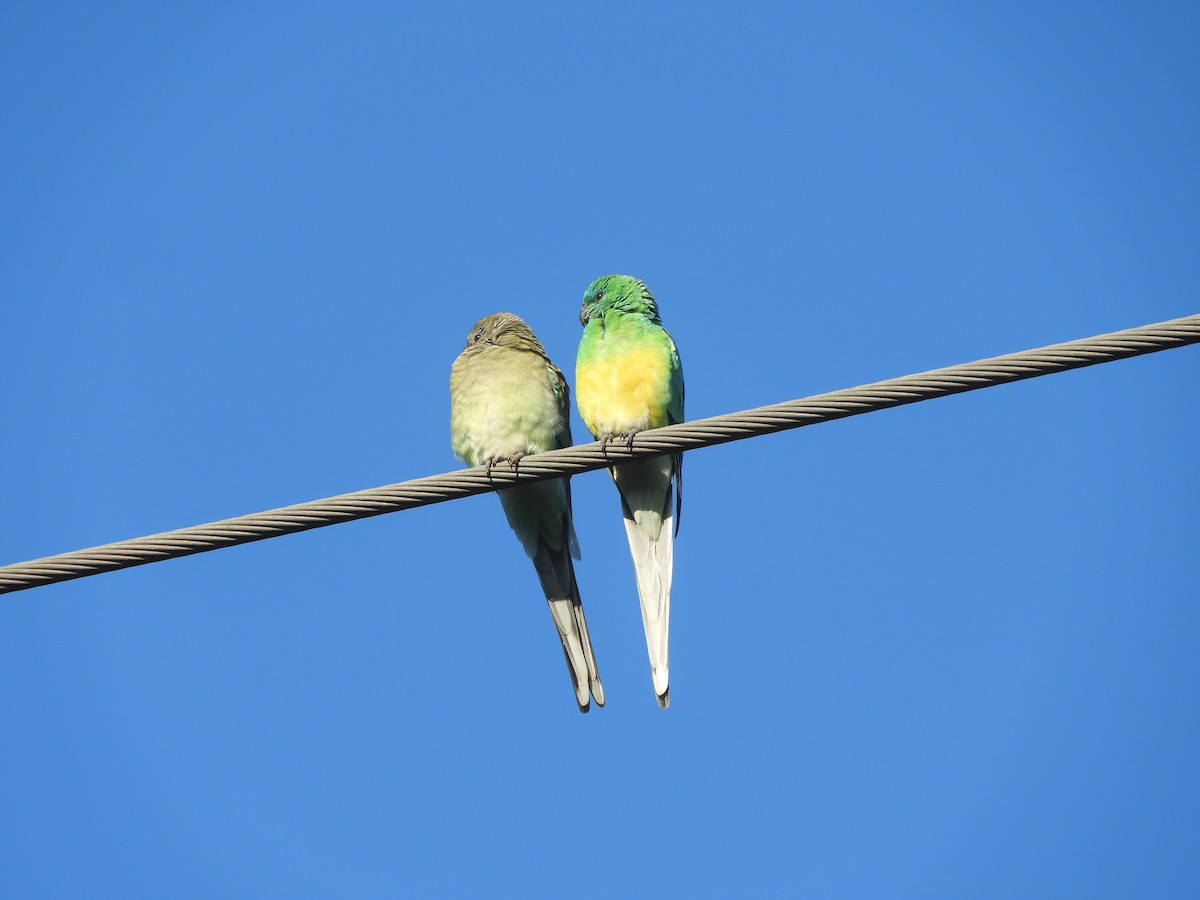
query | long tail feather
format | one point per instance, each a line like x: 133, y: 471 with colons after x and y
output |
x: 647, y: 500
x: 557, y: 575
x: 652, y: 567
x: 540, y: 514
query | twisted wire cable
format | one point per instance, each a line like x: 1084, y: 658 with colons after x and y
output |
x: 588, y: 457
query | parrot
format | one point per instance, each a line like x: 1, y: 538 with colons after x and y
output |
x: 508, y: 400
x: 628, y: 377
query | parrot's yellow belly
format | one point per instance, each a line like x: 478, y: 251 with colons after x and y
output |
x: 625, y: 392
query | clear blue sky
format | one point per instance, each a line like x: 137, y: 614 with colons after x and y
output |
x: 951, y: 650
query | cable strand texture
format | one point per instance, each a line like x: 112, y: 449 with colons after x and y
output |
x: 588, y: 457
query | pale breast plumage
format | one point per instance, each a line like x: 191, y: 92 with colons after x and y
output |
x: 503, y: 404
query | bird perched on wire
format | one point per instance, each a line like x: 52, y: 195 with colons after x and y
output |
x: 628, y: 378
x: 508, y: 400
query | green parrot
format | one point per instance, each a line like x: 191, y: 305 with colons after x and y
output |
x: 628, y: 378
x: 508, y: 400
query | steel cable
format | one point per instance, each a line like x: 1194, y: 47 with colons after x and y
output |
x: 588, y: 457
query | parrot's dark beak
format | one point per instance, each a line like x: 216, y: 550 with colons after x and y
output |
x: 583, y: 314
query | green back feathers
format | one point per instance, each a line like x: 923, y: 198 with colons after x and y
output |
x: 618, y: 292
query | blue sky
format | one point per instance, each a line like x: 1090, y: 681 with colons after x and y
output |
x: 949, y: 650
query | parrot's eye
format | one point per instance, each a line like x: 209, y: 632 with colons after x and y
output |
x: 599, y: 295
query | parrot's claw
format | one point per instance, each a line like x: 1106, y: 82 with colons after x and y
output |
x: 608, y: 437
x: 492, y: 461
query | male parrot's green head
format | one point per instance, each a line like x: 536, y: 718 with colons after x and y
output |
x: 620, y: 292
